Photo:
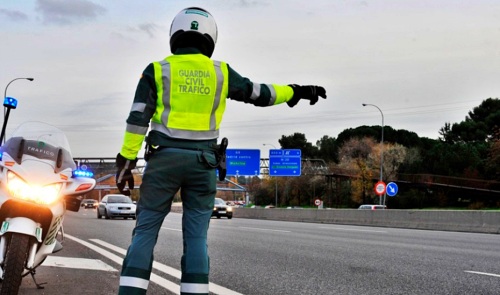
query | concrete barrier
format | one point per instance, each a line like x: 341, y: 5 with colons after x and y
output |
x: 447, y: 220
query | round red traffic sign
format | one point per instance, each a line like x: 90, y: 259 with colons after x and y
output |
x: 380, y: 188
x: 317, y: 202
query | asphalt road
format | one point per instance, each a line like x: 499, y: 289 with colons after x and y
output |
x: 270, y: 257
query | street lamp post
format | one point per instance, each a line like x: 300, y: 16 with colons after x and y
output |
x: 275, y: 179
x: 381, y: 148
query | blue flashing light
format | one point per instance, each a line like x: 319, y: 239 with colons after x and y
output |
x: 83, y: 173
x: 10, y: 102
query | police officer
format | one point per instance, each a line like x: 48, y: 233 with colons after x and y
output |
x: 182, y: 99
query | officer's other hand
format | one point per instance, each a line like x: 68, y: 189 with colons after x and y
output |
x: 124, y: 175
x: 309, y: 92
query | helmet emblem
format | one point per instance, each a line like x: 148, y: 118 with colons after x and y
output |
x: 194, y: 25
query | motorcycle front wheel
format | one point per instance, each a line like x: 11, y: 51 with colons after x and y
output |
x: 15, y: 259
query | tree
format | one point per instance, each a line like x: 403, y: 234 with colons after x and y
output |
x: 359, y: 132
x: 453, y: 159
x: 264, y: 193
x: 353, y: 155
x: 478, y: 126
x: 412, y: 162
x: 394, y: 157
x: 446, y: 134
x: 328, y: 149
x: 403, y: 137
x: 356, y: 148
x: 493, y: 159
x: 299, y: 141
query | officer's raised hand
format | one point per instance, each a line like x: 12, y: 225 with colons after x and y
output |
x: 309, y: 92
x: 124, y: 174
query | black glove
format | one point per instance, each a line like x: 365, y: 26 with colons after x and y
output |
x: 124, y: 174
x: 309, y: 92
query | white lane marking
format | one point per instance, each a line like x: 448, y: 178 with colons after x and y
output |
x: 80, y: 263
x: 353, y: 229
x: 265, y: 229
x: 161, y: 267
x: 174, y: 229
x: 483, y: 273
x: 172, y: 287
x: 214, y: 288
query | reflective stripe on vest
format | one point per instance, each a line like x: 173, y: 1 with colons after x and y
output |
x: 192, y: 92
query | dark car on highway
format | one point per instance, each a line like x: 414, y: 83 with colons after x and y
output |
x: 89, y: 203
x: 221, y: 209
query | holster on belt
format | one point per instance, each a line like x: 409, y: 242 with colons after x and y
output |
x: 149, y: 150
x: 220, y: 156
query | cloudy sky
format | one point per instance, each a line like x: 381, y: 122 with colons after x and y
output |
x: 422, y: 62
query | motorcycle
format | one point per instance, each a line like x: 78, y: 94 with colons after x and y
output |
x: 39, y: 181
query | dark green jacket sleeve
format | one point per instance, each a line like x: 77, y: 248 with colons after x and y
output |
x: 262, y: 95
x: 142, y: 111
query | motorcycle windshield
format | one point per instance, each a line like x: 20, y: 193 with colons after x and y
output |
x: 41, y: 141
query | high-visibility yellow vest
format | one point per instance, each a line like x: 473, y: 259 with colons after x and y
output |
x: 192, y: 91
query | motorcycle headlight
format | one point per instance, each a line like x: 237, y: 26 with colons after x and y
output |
x: 43, y: 195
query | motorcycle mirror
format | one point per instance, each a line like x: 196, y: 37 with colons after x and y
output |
x: 59, y: 158
x: 20, y: 151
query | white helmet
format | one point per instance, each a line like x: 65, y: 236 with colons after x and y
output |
x: 193, y: 27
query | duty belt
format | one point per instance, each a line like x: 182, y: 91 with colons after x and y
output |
x: 219, y: 151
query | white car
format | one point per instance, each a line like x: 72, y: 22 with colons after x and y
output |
x: 116, y: 205
x: 373, y: 207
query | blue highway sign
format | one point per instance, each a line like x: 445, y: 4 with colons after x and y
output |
x: 243, y: 162
x: 392, y: 189
x: 285, y: 162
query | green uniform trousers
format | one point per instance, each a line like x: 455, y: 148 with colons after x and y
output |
x: 167, y: 171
